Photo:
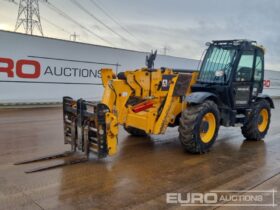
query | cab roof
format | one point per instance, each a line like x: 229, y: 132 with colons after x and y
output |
x: 240, y: 43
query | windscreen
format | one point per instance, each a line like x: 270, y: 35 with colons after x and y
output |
x: 217, y: 64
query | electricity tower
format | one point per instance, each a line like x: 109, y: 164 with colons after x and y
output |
x: 165, y: 49
x: 29, y: 17
x: 73, y: 37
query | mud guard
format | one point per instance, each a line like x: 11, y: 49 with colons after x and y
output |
x: 266, y: 97
x: 200, y: 97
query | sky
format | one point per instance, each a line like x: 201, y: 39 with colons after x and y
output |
x: 181, y: 26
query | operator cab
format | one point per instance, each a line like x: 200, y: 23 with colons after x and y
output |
x: 233, y: 70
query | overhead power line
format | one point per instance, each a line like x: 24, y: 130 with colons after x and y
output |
x: 55, y: 25
x: 69, y: 18
x: 87, y: 29
x: 64, y: 15
x: 101, y: 22
x: 97, y: 19
x: 116, y: 21
x: 112, y: 18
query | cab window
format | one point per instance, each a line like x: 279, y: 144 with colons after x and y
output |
x: 245, y: 67
x: 259, y: 69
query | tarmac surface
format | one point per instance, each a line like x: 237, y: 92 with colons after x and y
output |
x: 141, y: 173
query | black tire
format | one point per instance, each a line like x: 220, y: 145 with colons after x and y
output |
x: 135, y: 132
x: 190, y: 127
x: 250, y: 129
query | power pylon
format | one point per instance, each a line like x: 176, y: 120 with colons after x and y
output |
x: 73, y: 37
x: 29, y: 17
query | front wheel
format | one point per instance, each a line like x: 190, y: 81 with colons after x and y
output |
x: 257, y: 123
x: 199, y: 126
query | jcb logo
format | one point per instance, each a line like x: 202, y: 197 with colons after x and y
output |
x: 19, y: 67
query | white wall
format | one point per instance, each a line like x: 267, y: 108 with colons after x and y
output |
x: 274, y: 77
x: 72, y: 57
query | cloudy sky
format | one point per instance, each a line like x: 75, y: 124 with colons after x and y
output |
x: 182, y: 26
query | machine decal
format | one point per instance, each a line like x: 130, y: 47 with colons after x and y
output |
x: 166, y: 79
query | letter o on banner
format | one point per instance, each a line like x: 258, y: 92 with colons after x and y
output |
x: 22, y: 63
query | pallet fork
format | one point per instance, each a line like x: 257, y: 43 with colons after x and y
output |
x: 84, y: 130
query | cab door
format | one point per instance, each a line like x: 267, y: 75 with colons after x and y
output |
x: 243, y: 80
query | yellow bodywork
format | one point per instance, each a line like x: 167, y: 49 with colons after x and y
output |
x: 143, y: 85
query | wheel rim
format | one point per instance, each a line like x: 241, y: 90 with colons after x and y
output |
x: 263, y: 120
x: 207, y: 127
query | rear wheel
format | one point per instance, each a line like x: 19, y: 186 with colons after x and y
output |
x: 257, y: 123
x: 199, y: 127
x: 135, y: 131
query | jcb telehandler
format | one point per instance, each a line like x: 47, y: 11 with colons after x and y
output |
x: 226, y: 91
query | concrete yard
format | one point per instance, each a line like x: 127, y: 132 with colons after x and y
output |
x: 138, y: 177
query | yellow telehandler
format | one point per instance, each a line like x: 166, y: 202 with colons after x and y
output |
x: 226, y: 91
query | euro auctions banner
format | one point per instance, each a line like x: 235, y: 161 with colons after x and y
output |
x: 52, y: 70
x: 37, y: 69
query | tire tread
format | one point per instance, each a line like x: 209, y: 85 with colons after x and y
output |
x: 188, y: 123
